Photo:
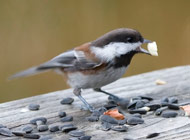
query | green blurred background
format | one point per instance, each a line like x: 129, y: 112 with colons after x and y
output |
x: 34, y: 31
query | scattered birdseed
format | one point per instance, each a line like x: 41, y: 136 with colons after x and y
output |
x: 139, y: 104
x: 53, y: 128
x: 153, y: 107
x: 169, y: 114
x: 160, y: 110
x: 134, y: 120
x: 106, y: 118
x: 18, y: 133
x: 160, y: 82
x: 67, y: 128
x: 32, y: 136
x: 67, y: 101
x: 34, y: 107
x: 147, y: 97
x: 67, y: 119
x: 140, y: 111
x: 152, y: 135
x: 62, y: 114
x: 42, y: 128
x: 122, y: 122
x: 110, y: 106
x: 27, y: 129
x: 164, y: 100
x: 173, y: 100
x: 92, y: 118
x: 173, y: 106
x: 120, y: 128
x: 43, y: 119
x: 6, y: 132
x: 132, y: 104
x: 85, y: 138
x: 76, y: 133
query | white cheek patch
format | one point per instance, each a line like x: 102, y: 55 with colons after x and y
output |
x: 110, y: 51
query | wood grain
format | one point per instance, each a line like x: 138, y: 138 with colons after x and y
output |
x: 178, y: 85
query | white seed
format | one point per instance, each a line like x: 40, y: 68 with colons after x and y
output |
x: 152, y: 48
x: 160, y: 82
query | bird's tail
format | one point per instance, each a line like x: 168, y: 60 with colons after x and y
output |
x: 28, y: 72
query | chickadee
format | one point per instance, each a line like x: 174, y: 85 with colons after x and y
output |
x: 95, y: 64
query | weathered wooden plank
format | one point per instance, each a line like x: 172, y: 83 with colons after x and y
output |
x: 178, y: 84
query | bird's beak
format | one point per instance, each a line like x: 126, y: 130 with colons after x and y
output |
x: 141, y: 50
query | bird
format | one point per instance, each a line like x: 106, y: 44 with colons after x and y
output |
x: 95, y: 64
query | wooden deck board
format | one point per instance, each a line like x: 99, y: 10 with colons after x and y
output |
x: 178, y: 85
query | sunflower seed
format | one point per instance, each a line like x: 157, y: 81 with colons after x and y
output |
x: 18, y: 133
x: 152, y: 135
x: 85, y: 138
x: 53, y: 128
x: 76, y: 133
x: 42, y: 128
x: 67, y: 101
x: 6, y: 132
x: 62, y: 114
x: 43, y: 119
x: 106, y: 118
x: 67, y: 119
x: 134, y: 121
x: 34, y: 107
x: 32, y: 136
x: 27, y: 129
x: 120, y: 128
x: 169, y: 114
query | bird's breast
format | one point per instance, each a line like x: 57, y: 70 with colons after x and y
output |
x: 95, y: 80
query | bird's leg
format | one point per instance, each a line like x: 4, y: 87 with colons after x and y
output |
x: 77, y: 92
x: 115, y: 98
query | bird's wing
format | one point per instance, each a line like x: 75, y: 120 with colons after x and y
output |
x: 73, y: 60
x: 79, y: 58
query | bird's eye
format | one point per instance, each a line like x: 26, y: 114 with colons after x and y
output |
x: 129, y: 39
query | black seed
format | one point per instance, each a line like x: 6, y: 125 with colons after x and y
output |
x: 67, y: 119
x: 106, y: 126
x: 106, y: 118
x: 110, y: 106
x: 42, y: 128
x: 169, y: 114
x: 85, y: 138
x: 122, y: 122
x: 53, y: 128
x: 67, y: 101
x: 164, y: 100
x: 119, y: 128
x: 173, y: 106
x: 152, y: 135
x: 147, y: 97
x: 140, y: 111
x: 39, y: 123
x: 132, y: 105
x: 74, y: 138
x: 62, y: 114
x: 160, y: 110
x: 27, y: 129
x: 18, y: 133
x: 6, y: 132
x: 34, y: 107
x: 139, y: 104
x: 76, y: 133
x: 153, y: 107
x: 46, y: 138
x: 134, y: 121
x: 2, y: 126
x: 92, y: 118
x: 67, y: 128
x: 137, y: 115
x: 173, y: 100
x: 32, y: 136
x: 43, y: 119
